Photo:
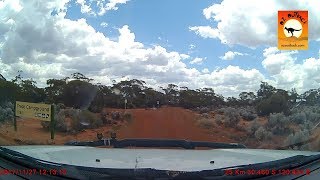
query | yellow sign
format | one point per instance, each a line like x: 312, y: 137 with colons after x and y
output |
x: 33, y: 110
x: 293, y: 30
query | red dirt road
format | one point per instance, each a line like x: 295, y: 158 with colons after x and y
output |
x: 172, y: 123
x: 169, y: 123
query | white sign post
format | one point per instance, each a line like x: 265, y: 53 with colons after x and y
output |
x: 125, y: 103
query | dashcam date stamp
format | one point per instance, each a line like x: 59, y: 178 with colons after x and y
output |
x: 266, y: 172
x: 31, y: 172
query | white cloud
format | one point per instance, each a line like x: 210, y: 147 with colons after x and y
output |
x: 270, y: 50
x: 85, y: 8
x: 230, y: 55
x: 104, y: 24
x: 60, y: 46
x: 113, y: 4
x: 45, y: 46
x: 253, y: 23
x: 13, y: 5
x: 205, y: 31
x: 205, y: 70
x: 102, y: 6
x: 191, y: 48
x: 232, y: 80
x: 287, y: 73
x: 275, y: 61
x: 184, y: 56
x: 197, y: 60
x: 127, y: 38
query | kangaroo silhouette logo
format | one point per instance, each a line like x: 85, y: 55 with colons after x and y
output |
x: 291, y: 30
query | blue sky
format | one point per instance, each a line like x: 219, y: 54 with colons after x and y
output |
x: 228, y: 45
x: 167, y: 23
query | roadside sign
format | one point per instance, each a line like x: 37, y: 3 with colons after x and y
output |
x: 33, y: 110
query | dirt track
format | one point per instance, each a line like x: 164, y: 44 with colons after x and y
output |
x: 173, y: 123
x: 170, y: 122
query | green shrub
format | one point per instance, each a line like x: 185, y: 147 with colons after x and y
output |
x: 232, y: 117
x: 205, y: 115
x: 278, y: 123
x: 71, y: 112
x: 262, y: 134
x: 91, y: 118
x: 115, y: 115
x: 59, y: 107
x: 96, y: 108
x: 277, y: 103
x: 307, y: 126
x: 206, y: 123
x: 312, y: 116
x: 219, y: 119
x: 220, y: 111
x: 248, y: 114
x: 6, y: 111
x: 60, y: 122
x: 299, y: 118
x: 203, y: 110
x: 299, y: 137
x: 80, y: 119
x: 306, y: 115
x: 253, y: 127
x: 105, y: 119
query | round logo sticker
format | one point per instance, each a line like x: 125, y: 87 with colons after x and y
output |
x: 292, y: 28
